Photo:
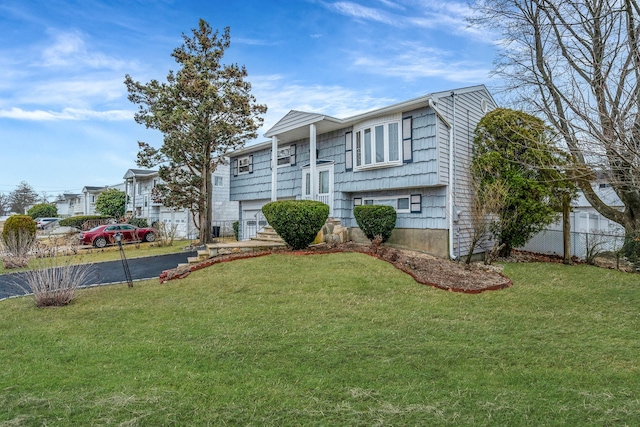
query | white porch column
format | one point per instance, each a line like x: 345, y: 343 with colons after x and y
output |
x: 274, y: 168
x: 313, y: 175
x: 133, y: 197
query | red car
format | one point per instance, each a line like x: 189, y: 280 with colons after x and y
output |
x: 103, y: 235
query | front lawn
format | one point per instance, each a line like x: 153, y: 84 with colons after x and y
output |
x: 337, y: 340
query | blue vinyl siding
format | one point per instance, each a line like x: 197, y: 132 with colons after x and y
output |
x: 427, y: 174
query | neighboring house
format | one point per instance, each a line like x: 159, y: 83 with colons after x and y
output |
x: 414, y: 156
x: 139, y: 185
x: 67, y: 204
x: 72, y: 204
x: 589, y: 229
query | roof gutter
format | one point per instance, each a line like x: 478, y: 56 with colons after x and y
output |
x: 452, y: 255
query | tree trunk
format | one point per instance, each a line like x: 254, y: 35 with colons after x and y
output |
x: 205, y: 214
x: 566, y: 229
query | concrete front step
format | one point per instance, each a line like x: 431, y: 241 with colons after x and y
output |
x: 268, y: 234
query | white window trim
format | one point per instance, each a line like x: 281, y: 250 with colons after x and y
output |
x: 287, y: 157
x: 247, y: 164
x: 364, y: 200
x: 358, y: 138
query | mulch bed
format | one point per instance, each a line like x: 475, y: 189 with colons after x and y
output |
x: 426, y: 269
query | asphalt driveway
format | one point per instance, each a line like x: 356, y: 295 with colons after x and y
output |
x: 103, y: 273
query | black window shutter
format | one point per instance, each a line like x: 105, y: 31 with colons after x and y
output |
x: 251, y: 163
x: 407, y: 140
x: 348, y: 150
x: 271, y: 163
x: 415, y: 203
x: 292, y: 155
x: 235, y: 167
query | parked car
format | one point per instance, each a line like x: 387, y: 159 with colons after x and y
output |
x: 104, y: 235
x: 42, y: 223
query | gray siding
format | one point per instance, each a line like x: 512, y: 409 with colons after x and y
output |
x: 468, y: 112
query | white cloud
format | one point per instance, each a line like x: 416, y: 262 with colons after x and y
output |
x: 79, y: 92
x: 336, y: 101
x: 69, y: 49
x: 357, y: 11
x: 449, y: 16
x: 72, y: 114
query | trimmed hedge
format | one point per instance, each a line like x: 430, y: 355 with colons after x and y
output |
x: 16, y: 225
x: 296, y: 221
x: 376, y: 220
x: 138, y: 222
x: 77, y: 221
x: 43, y: 210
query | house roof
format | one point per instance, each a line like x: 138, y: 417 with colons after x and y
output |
x: 90, y: 189
x: 295, y: 124
x: 136, y: 173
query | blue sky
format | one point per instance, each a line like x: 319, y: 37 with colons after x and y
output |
x: 66, y: 123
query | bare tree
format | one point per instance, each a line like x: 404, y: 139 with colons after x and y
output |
x: 4, y: 204
x: 577, y: 63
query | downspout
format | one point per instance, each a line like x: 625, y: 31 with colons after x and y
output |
x: 312, y: 161
x: 452, y: 255
x: 274, y: 168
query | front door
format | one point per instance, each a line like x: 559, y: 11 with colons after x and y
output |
x: 324, y: 183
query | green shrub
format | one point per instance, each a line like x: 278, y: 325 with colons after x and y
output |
x: 111, y: 203
x: 375, y: 220
x: 18, y: 237
x: 17, y: 223
x: 43, y: 210
x: 296, y: 221
x: 631, y: 249
x: 138, y: 222
x: 236, y: 229
x: 77, y: 221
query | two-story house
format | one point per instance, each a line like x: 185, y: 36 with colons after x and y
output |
x: 84, y: 203
x: 414, y: 156
x: 139, y: 185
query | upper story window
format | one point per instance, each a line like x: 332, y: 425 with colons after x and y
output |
x: 243, y: 165
x: 378, y: 145
x: 380, y: 142
x: 218, y: 181
x: 286, y: 155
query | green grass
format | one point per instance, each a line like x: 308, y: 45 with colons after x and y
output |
x: 110, y: 253
x: 328, y: 340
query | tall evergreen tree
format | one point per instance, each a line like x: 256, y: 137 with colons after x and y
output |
x: 512, y: 149
x: 205, y: 110
x: 22, y: 197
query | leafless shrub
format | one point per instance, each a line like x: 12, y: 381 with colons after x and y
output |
x: 167, y: 232
x: 54, y: 278
x: 15, y: 248
x: 486, y: 203
x: 493, y: 254
x: 595, y: 244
